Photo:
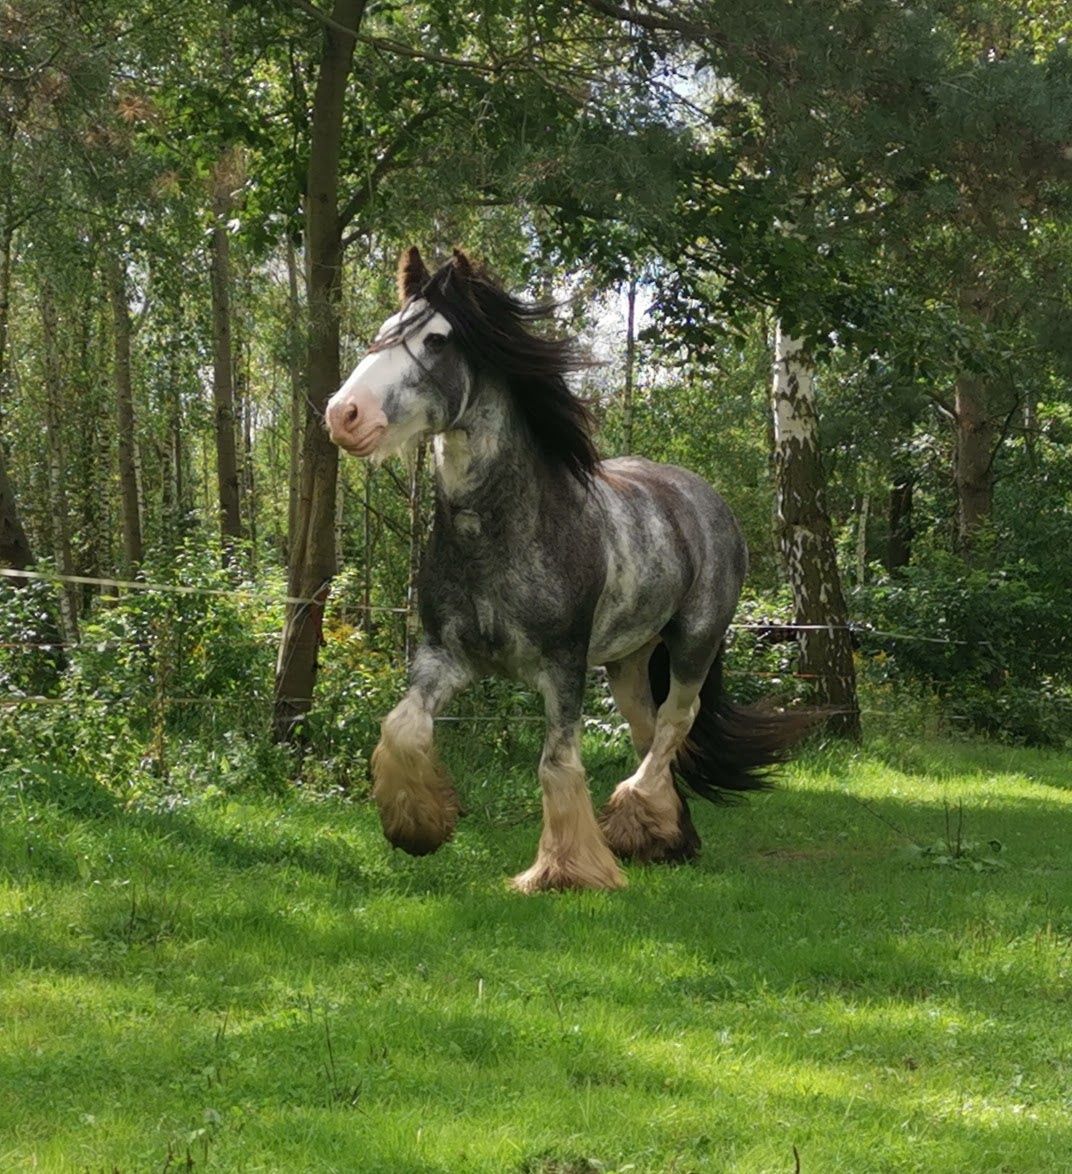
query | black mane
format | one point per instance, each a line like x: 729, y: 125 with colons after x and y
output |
x: 491, y: 327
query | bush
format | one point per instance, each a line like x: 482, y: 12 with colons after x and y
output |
x: 990, y: 645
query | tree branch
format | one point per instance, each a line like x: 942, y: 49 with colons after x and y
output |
x: 942, y: 405
x: 328, y: 21
x: 1016, y: 402
x: 402, y: 50
x: 657, y: 24
x: 386, y: 163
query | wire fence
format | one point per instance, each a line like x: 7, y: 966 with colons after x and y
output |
x: 246, y: 593
x: 251, y: 595
x: 857, y: 629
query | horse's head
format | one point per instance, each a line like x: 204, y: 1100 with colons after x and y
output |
x: 414, y: 381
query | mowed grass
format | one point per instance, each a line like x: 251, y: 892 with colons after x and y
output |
x: 255, y: 983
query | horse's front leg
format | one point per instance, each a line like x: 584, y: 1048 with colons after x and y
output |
x: 572, y: 852
x: 417, y: 801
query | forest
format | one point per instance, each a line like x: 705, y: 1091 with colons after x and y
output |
x: 818, y: 253
x: 202, y: 208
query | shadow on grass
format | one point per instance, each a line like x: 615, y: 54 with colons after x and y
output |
x: 815, y: 872
x: 408, y: 1042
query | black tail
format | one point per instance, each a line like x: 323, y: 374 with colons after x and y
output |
x: 730, y: 747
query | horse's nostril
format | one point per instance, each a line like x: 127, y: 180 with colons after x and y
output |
x: 350, y: 417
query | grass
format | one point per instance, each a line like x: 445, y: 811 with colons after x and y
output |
x: 257, y: 983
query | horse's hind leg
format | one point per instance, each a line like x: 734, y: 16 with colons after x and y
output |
x: 572, y: 852
x: 631, y: 690
x: 647, y: 818
x: 417, y: 802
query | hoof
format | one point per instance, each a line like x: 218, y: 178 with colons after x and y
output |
x: 419, y: 820
x: 418, y: 845
x: 649, y: 829
x: 417, y: 802
x: 550, y: 875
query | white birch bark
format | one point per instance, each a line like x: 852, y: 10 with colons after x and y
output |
x: 806, y: 540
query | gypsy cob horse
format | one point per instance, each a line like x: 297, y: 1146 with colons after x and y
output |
x: 544, y: 561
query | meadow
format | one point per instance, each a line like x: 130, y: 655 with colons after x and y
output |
x: 867, y: 970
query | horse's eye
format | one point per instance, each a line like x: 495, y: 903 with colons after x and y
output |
x: 435, y: 342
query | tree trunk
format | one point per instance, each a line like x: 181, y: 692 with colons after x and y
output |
x: 806, y: 540
x: 973, y: 461
x: 340, y: 517
x: 1031, y: 427
x: 313, y: 551
x: 243, y: 389
x: 630, y: 368
x: 7, y: 238
x: 899, y: 543
x: 103, y: 538
x: 14, y: 545
x: 124, y: 399
x: 57, y: 472
x: 7, y: 245
x: 93, y: 407
x: 178, y: 448
x: 366, y: 542
x: 279, y: 539
x: 861, y: 539
x: 223, y: 397
x: 416, y: 534
x: 297, y: 398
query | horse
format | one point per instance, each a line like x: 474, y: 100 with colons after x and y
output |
x: 543, y: 562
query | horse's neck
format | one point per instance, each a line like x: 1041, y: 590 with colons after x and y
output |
x: 487, y: 467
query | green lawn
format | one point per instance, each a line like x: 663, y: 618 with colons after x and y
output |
x: 251, y: 983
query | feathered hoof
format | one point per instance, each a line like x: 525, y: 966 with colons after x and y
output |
x: 417, y: 802
x: 550, y: 874
x: 649, y: 829
x: 419, y: 821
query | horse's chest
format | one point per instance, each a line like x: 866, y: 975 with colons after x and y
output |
x: 502, y: 605
x: 490, y: 636
x: 483, y: 623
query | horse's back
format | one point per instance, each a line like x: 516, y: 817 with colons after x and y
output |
x: 672, y: 545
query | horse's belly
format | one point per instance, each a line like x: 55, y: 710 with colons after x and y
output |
x: 617, y: 645
x: 646, y: 579
x: 628, y: 615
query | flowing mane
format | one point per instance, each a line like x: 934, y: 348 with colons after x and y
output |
x: 492, y: 329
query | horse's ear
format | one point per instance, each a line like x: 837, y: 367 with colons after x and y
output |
x: 412, y: 274
x: 462, y: 265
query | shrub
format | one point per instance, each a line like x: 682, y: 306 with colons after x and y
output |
x: 991, y: 645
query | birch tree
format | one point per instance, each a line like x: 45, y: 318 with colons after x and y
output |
x: 806, y: 540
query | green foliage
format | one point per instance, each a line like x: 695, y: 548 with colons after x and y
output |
x: 31, y: 652
x: 357, y: 686
x: 206, y: 645
x: 991, y: 644
x: 955, y: 850
x: 164, y: 691
x: 850, y: 167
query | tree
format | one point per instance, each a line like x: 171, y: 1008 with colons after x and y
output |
x: 806, y: 540
x: 313, y: 548
x: 225, y: 179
